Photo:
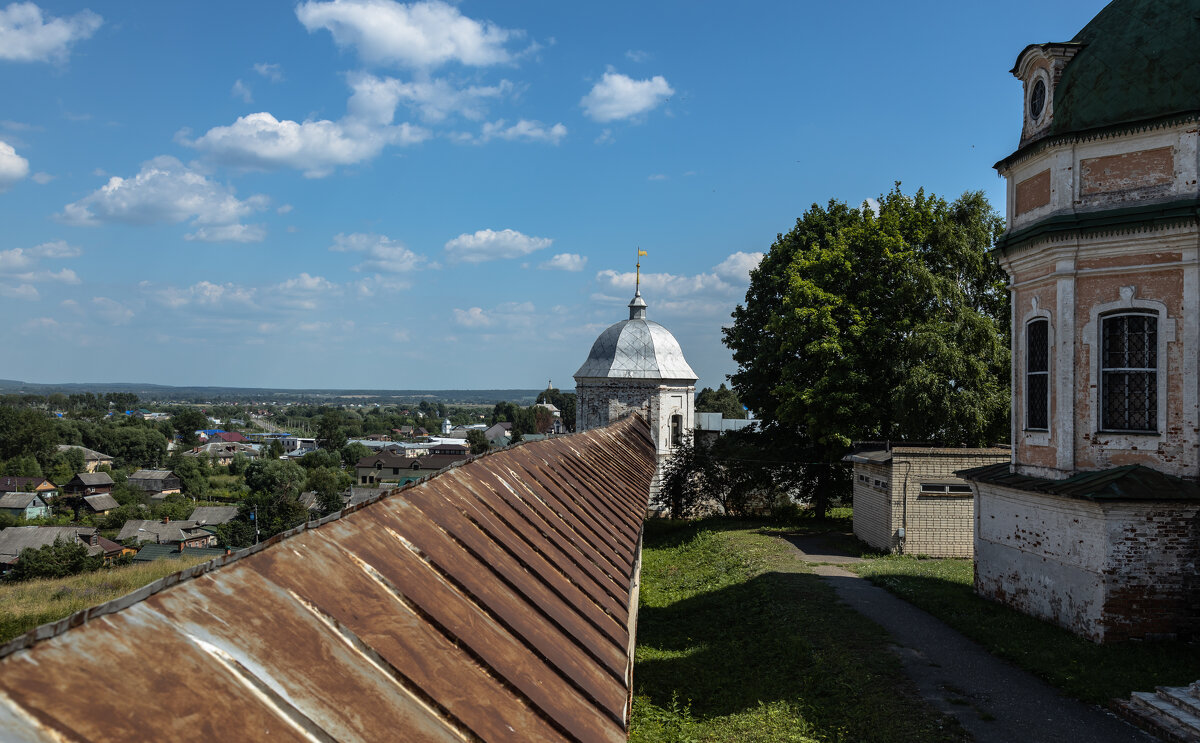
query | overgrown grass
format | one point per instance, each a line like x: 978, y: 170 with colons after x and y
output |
x: 25, y: 605
x: 1093, y: 673
x: 736, y: 642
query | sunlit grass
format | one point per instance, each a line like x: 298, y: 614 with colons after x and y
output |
x: 25, y: 605
x: 737, y: 642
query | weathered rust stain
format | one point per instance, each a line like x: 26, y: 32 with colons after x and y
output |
x: 489, y: 602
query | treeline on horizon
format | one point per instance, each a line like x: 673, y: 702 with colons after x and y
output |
x: 158, y: 394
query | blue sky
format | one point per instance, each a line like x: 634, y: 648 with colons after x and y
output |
x: 368, y: 194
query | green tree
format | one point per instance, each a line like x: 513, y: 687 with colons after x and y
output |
x: 276, y: 477
x: 56, y: 560
x: 353, y: 452
x: 868, y: 325
x: 721, y: 400
x: 564, y: 401
x: 27, y: 433
x: 477, y: 441
x: 322, y: 458
x: 188, y: 420
x: 193, y: 476
x: 275, y: 449
x: 331, y: 430
x: 328, y: 483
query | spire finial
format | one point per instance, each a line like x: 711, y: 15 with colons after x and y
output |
x: 637, y: 286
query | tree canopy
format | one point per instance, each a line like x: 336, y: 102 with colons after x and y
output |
x: 721, y: 400
x: 887, y: 323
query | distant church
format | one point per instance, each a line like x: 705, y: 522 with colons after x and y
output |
x: 1094, y: 524
x: 636, y: 365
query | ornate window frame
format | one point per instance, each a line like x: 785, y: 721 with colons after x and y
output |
x: 1127, y: 303
x: 1037, y: 436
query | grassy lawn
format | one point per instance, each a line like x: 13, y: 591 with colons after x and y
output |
x: 737, y: 642
x: 1093, y: 673
x: 25, y: 605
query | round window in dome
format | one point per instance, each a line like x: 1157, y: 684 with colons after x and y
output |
x: 1037, y: 100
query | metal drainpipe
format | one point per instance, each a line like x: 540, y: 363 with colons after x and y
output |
x: 904, y: 507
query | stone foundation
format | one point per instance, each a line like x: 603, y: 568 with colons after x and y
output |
x: 1106, y: 570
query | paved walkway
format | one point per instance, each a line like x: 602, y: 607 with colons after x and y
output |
x: 994, y: 700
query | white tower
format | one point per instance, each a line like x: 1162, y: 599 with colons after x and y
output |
x: 637, y: 365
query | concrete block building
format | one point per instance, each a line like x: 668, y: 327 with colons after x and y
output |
x: 908, y: 499
x: 1090, y: 524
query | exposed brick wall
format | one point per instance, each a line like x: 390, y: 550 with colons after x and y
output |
x: 1107, y: 571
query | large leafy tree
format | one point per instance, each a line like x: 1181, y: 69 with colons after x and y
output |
x: 722, y: 400
x: 887, y: 323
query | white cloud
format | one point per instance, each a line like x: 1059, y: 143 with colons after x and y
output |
x: 111, y: 311
x: 523, y: 130
x: 509, y: 315
x: 16, y: 259
x: 229, y: 233
x: 566, y: 262
x: 435, y: 100
x: 486, y: 245
x: 240, y: 90
x: 381, y: 254
x: 62, y: 276
x: 657, y: 177
x: 19, y: 269
x: 166, y: 191
x: 285, y: 209
x: 473, y: 317
x: 419, y: 35
x: 27, y: 36
x: 260, y: 141
x: 273, y: 72
x: 302, y: 292
x: 872, y: 204
x: 13, y: 167
x: 706, y: 294
x: 42, y: 178
x: 637, y: 55
x: 619, y: 96
x: 55, y: 249
x: 737, y: 267
x: 203, y: 294
x: 25, y: 292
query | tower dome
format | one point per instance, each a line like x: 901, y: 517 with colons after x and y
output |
x: 636, y: 348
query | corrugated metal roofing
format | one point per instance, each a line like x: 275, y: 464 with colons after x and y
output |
x: 493, y: 601
x: 1131, y: 482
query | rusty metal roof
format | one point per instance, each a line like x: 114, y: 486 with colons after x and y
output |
x: 1129, y: 482
x: 492, y: 601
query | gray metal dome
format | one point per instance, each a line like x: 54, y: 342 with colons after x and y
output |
x: 636, y: 348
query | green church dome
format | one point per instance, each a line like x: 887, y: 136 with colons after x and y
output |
x: 1139, y: 60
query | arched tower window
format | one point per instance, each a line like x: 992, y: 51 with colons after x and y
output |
x: 676, y: 430
x: 1128, y: 372
x: 1037, y: 375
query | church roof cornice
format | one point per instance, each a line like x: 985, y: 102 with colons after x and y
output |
x: 1106, y: 221
x: 1039, y: 146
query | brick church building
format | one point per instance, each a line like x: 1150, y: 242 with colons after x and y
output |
x: 1093, y: 524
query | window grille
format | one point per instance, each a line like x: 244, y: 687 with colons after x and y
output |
x: 942, y: 488
x: 1037, y: 375
x: 1129, y: 373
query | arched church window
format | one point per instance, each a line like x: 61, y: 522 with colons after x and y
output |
x: 1037, y: 375
x: 1128, y: 373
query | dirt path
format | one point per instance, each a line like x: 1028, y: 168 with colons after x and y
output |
x: 994, y: 700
